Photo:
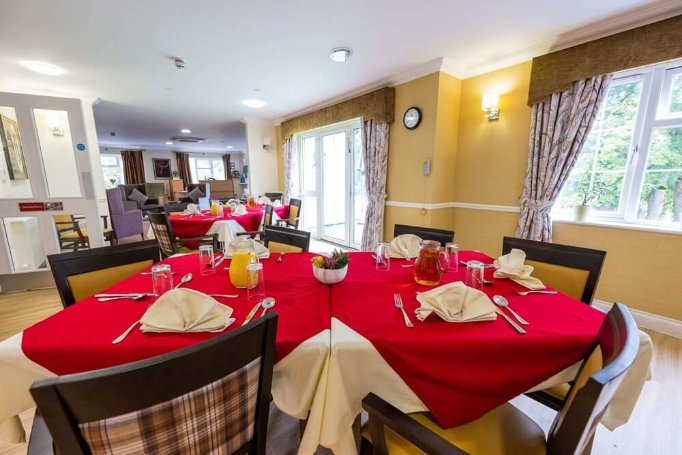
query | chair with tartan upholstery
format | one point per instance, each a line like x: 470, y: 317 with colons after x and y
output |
x: 71, y: 235
x: 570, y: 269
x: 169, y: 244
x: 506, y: 429
x: 213, y: 397
x: 294, y: 214
x: 81, y: 274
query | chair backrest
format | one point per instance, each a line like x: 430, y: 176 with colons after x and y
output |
x: 440, y: 235
x: 213, y: 397
x: 294, y: 212
x: 175, y: 208
x: 267, y: 216
x: 274, y: 196
x: 83, y: 273
x: 599, y: 377
x: 163, y: 232
x: 286, y: 240
x: 570, y: 269
x: 115, y: 201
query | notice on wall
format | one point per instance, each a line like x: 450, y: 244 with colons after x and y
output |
x: 40, y: 206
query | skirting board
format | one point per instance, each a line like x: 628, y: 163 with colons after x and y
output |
x: 661, y: 324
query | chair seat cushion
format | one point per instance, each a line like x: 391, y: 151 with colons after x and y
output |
x: 74, y: 234
x: 559, y: 391
x: 504, y: 430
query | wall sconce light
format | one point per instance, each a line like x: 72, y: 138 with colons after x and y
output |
x: 55, y: 126
x: 490, y: 105
x: 266, y: 144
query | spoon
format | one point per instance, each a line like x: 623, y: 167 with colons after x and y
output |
x: 279, y: 259
x: 502, y: 302
x: 132, y: 297
x: 185, y: 279
x: 267, y: 303
x: 536, y: 292
x: 227, y: 296
x: 406, y: 265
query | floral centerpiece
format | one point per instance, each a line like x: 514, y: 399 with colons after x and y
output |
x: 331, y: 269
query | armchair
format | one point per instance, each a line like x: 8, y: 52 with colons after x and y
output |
x: 150, y: 204
x: 124, y: 222
x: 204, y: 202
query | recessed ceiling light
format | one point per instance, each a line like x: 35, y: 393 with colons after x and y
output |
x: 43, y: 68
x: 254, y: 103
x: 341, y: 54
x: 169, y: 143
x: 185, y: 131
x: 230, y: 147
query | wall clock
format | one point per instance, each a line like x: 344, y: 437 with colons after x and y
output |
x: 412, y: 118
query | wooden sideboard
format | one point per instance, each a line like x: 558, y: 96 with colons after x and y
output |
x: 221, y: 189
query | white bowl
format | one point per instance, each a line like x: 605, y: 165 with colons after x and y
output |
x: 330, y: 276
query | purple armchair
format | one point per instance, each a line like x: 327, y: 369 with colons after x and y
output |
x: 124, y: 222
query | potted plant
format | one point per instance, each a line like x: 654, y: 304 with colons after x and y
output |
x: 588, y: 195
x: 176, y: 175
x: 655, y: 201
x: 331, y: 269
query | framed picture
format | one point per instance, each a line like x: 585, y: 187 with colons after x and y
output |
x: 162, y: 168
x: 14, y: 151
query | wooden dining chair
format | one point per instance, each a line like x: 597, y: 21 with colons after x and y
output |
x: 508, y: 430
x: 286, y: 240
x: 169, y: 244
x: 294, y: 217
x: 72, y: 236
x: 440, y: 235
x: 213, y: 397
x: 80, y: 274
x: 570, y: 269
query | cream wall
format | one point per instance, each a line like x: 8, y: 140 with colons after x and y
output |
x: 263, y: 172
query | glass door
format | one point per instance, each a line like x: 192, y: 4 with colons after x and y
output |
x: 329, y: 177
x: 47, y: 194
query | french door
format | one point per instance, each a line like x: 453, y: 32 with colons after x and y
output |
x: 331, y: 182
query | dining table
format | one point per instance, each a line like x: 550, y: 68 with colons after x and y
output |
x: 337, y: 343
x: 227, y: 226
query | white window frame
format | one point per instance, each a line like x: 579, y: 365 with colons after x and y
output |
x: 119, y: 165
x: 194, y: 167
x: 654, y: 81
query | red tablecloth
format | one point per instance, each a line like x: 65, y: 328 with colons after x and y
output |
x: 79, y: 338
x: 462, y: 370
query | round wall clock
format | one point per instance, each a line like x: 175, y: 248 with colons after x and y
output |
x: 412, y: 118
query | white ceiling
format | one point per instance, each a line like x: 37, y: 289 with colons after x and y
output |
x: 118, y: 52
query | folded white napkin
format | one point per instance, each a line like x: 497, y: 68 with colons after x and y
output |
x: 240, y: 210
x: 258, y: 248
x: 192, y: 209
x: 512, y: 266
x: 264, y: 200
x: 456, y: 302
x: 405, y: 246
x: 185, y: 310
x: 277, y: 203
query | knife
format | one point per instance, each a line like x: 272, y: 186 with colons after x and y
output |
x: 252, y: 313
x: 219, y: 261
x: 513, y: 324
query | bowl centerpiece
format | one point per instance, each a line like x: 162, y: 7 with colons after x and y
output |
x: 331, y: 269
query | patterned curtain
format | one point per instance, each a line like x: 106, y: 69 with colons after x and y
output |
x: 183, y: 168
x: 288, y: 163
x: 559, y: 128
x: 375, y: 157
x: 226, y: 165
x: 133, y: 167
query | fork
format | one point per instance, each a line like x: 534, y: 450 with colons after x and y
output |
x: 398, y: 300
x: 536, y: 292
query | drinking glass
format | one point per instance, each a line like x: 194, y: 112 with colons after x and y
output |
x: 452, y: 250
x: 206, y: 260
x: 383, y: 258
x: 255, y: 283
x: 474, y: 274
x: 162, y: 279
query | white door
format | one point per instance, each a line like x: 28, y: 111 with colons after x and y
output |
x: 44, y: 162
x: 332, y: 183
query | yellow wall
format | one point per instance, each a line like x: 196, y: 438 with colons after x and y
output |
x: 640, y: 268
x: 279, y: 149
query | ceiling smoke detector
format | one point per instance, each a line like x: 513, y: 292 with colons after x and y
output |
x: 179, y: 63
x: 189, y: 139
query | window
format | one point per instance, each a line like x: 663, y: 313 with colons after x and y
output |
x: 112, y: 167
x: 207, y: 168
x: 632, y: 158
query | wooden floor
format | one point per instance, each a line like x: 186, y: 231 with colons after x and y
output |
x: 653, y: 429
